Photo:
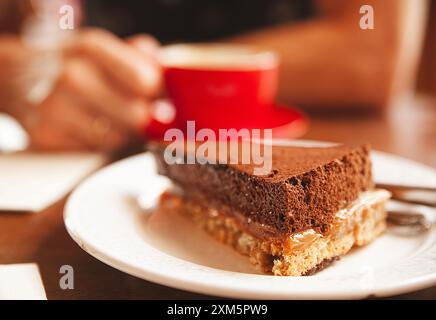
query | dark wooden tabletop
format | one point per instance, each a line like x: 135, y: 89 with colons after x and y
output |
x: 408, y: 130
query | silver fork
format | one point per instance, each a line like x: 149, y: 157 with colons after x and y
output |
x: 411, y: 221
x: 411, y: 194
x: 408, y: 223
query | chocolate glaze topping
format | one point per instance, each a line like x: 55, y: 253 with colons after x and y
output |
x: 304, y: 190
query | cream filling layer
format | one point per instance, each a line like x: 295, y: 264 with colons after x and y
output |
x: 365, y: 199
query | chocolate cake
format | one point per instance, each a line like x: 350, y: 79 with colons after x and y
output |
x: 314, y: 205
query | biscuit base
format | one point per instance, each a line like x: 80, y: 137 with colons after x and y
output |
x: 300, y: 254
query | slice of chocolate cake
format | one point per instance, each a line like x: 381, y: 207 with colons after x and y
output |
x: 314, y: 205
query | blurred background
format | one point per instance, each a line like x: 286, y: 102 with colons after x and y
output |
x: 88, y: 79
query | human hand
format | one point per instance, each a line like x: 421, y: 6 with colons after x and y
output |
x: 102, y: 98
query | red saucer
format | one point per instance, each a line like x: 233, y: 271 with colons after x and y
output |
x: 286, y: 122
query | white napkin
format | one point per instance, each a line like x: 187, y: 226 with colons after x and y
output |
x: 34, y: 181
x: 21, y: 282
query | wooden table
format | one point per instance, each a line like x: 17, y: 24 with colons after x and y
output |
x: 409, y: 130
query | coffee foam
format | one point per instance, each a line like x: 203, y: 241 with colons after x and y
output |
x: 217, y: 56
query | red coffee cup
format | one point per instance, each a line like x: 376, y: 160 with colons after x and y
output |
x: 218, y: 84
x: 221, y: 86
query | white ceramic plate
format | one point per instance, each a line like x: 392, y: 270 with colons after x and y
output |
x: 103, y: 217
